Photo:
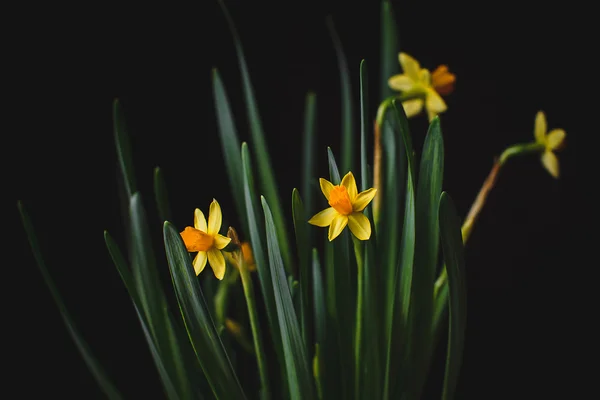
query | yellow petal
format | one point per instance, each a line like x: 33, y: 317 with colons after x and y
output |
x: 217, y: 262
x: 410, y: 66
x: 323, y: 218
x: 550, y: 162
x: 350, y: 183
x: 401, y: 82
x: 555, y: 139
x: 215, y: 218
x: 412, y: 107
x: 434, y: 103
x: 425, y: 77
x: 199, y: 262
x: 337, y: 226
x: 199, y: 220
x: 326, y: 187
x: 363, y: 199
x: 221, y: 241
x: 359, y: 225
x: 539, y: 131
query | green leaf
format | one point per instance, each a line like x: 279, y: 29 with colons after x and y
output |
x: 230, y: 145
x: 122, y: 267
x: 258, y: 250
x: 302, y: 245
x: 364, y: 125
x: 334, y: 173
x: 389, y: 48
x: 123, y: 148
x: 201, y: 329
x: 297, y: 366
x: 265, y: 170
x: 92, y: 363
x: 429, y: 188
x: 346, y: 94
x: 308, y: 150
x: 452, y: 248
x: 160, y: 193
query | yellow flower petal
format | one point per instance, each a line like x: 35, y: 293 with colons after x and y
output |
x: 337, y: 226
x: 215, y: 218
x: 199, y: 220
x: 434, y: 103
x: 350, y: 183
x: 199, y: 262
x: 401, y: 82
x: 326, y: 187
x: 412, y: 107
x: 425, y: 77
x: 410, y: 66
x: 359, y: 225
x: 221, y: 241
x: 323, y: 218
x: 217, y: 262
x: 550, y: 162
x: 363, y: 199
x: 540, y: 129
x: 555, y: 139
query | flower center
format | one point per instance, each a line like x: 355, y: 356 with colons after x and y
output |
x: 196, y: 240
x: 442, y: 80
x: 340, y: 200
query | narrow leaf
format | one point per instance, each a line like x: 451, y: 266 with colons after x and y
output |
x: 201, y: 329
x: 452, y: 248
x: 123, y: 148
x: 364, y: 125
x: 303, y: 249
x: 308, y: 150
x: 265, y: 170
x: 346, y: 95
x: 230, y: 144
x: 92, y: 363
x: 297, y: 365
x: 161, y: 196
x: 429, y: 188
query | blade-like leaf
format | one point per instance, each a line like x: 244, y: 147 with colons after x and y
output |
x: 389, y: 48
x: 297, y: 366
x: 308, y: 150
x: 364, y: 125
x: 122, y: 267
x: 256, y: 231
x: 92, y: 363
x: 161, y: 195
x: 346, y: 94
x: 123, y: 148
x: 201, y: 329
x: 265, y: 170
x: 429, y: 188
x: 452, y: 248
x: 302, y: 245
x: 230, y: 144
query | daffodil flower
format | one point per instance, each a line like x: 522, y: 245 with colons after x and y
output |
x: 205, y: 239
x: 551, y: 141
x: 346, y: 208
x: 426, y: 86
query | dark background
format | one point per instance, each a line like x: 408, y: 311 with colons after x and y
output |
x: 67, y: 64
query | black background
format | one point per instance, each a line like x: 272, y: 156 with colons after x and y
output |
x: 67, y: 64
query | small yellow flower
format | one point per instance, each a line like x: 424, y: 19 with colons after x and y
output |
x: 346, y: 208
x: 417, y: 80
x: 551, y: 141
x: 205, y: 239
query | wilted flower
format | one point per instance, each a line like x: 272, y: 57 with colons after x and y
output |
x: 551, y: 141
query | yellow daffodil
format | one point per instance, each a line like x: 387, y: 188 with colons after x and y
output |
x: 205, y: 239
x: 551, y: 141
x: 427, y: 86
x: 346, y: 208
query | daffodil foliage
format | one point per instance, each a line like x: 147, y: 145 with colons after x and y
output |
x: 290, y: 310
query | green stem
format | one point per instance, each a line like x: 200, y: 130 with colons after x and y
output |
x: 358, y: 251
x: 254, y: 323
x: 488, y: 184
